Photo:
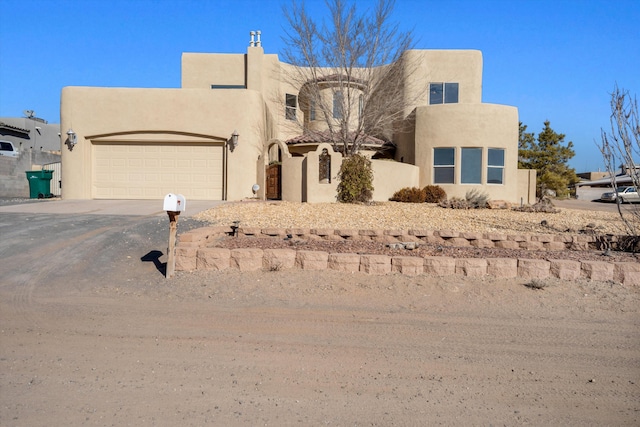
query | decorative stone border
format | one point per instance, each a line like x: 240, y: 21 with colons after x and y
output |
x: 193, y: 253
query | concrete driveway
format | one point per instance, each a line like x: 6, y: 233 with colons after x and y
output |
x: 591, y: 205
x: 99, y: 207
x: 49, y: 243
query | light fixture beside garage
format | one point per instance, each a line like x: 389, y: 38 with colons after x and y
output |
x: 72, y: 138
x: 233, y: 141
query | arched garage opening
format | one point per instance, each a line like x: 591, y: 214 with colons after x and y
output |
x: 148, y: 165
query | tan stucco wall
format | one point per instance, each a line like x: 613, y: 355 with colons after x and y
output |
x: 321, y: 192
x: 405, y: 141
x: 292, y: 179
x: 206, y: 115
x: 443, y: 66
x: 300, y: 178
x: 201, y: 70
x: 389, y: 177
x: 469, y: 125
x: 526, y: 186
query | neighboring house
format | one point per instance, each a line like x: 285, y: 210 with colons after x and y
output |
x: 31, y: 133
x: 231, y: 126
x: 593, y: 189
x: 39, y: 145
x: 592, y: 176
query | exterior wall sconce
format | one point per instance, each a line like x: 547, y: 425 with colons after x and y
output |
x: 72, y: 137
x: 233, y: 141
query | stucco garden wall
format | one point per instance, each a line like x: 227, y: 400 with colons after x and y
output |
x: 292, y: 182
x: 300, y: 181
x: 527, y: 185
x: 389, y: 177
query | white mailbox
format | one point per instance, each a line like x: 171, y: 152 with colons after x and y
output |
x: 174, y: 203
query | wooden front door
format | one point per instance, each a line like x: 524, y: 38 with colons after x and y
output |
x: 273, y: 182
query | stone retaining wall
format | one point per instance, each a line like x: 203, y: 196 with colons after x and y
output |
x: 193, y: 253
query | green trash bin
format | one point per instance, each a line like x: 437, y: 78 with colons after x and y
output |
x: 39, y: 184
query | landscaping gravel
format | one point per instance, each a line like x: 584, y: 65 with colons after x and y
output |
x: 405, y: 216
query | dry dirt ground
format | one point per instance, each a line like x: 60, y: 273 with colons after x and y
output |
x: 91, y: 334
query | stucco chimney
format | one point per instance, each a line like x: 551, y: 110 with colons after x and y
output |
x: 254, y: 63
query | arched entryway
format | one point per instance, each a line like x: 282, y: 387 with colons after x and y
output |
x: 273, y: 173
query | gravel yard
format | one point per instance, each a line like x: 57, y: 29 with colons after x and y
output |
x: 405, y: 216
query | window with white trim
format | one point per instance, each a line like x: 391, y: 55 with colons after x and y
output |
x: 495, y: 166
x: 471, y: 166
x: 444, y: 165
x: 443, y: 93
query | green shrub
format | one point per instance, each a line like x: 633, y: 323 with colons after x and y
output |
x: 434, y: 194
x: 409, y: 195
x: 356, y: 180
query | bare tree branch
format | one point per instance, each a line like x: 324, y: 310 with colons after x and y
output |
x: 621, y: 148
x: 350, y: 71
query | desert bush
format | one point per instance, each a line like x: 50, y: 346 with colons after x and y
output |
x: 356, y: 180
x: 543, y: 205
x: 474, y: 199
x: 454, y: 203
x: 409, y: 195
x: 536, y: 284
x: 434, y: 194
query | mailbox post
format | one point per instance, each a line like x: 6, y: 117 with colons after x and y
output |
x: 173, y: 204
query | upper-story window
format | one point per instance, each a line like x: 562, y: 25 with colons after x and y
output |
x: 443, y: 93
x: 338, y: 102
x: 312, y: 110
x: 292, y: 105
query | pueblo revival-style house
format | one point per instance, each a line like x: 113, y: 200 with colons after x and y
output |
x: 227, y: 134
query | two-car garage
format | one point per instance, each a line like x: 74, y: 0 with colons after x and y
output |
x: 151, y: 169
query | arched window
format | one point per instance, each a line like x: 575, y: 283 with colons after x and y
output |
x: 324, y: 167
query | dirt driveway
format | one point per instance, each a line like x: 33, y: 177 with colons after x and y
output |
x: 92, y: 334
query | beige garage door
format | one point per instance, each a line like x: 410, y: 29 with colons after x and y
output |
x: 150, y: 171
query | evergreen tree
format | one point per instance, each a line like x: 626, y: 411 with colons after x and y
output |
x: 356, y: 180
x: 548, y: 155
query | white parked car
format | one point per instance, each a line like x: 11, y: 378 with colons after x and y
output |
x: 7, y: 149
x: 626, y: 194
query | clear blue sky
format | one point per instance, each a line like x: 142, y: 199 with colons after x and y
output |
x: 553, y: 59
